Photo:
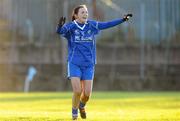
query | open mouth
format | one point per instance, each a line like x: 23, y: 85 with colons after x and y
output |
x: 84, y: 17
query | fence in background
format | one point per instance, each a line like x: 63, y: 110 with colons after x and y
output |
x: 145, y: 49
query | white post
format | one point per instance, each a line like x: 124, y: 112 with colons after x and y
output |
x: 26, y: 85
x: 31, y: 73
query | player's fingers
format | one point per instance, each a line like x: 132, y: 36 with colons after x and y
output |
x: 64, y: 20
x: 125, y: 17
x: 60, y: 20
x: 130, y: 15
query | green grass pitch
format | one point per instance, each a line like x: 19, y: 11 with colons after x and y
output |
x: 103, y: 106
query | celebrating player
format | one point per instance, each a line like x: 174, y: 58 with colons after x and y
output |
x: 80, y: 34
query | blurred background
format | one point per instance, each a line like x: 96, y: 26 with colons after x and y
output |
x: 140, y: 55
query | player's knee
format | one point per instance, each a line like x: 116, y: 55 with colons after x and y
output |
x: 87, y: 92
x: 86, y: 98
x: 77, y: 93
x: 76, y: 86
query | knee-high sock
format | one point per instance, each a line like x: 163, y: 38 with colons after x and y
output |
x: 74, y: 112
x: 83, y: 100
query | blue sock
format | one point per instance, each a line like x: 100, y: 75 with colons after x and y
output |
x: 81, y: 105
x: 74, y: 112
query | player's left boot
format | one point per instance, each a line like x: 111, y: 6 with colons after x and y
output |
x: 74, y: 117
x: 82, y: 113
x: 74, y: 114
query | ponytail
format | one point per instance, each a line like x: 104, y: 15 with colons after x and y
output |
x: 73, y: 17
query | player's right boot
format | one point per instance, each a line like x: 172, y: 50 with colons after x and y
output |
x: 82, y: 113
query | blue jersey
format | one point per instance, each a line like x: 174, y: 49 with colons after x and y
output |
x: 81, y: 39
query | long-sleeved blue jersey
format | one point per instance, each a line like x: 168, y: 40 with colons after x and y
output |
x: 81, y: 39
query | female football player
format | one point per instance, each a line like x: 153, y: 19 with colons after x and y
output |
x: 80, y: 34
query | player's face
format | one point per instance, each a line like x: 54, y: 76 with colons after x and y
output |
x: 82, y: 15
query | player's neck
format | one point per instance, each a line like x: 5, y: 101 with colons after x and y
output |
x: 81, y: 22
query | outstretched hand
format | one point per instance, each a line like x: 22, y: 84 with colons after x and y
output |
x: 127, y: 16
x: 62, y: 21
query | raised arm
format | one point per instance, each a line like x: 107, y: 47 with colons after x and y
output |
x: 60, y: 29
x: 109, y: 24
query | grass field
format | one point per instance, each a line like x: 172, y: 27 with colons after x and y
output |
x: 103, y: 106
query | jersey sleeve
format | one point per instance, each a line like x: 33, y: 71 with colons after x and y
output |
x: 95, y: 26
x: 109, y: 24
x: 63, y: 31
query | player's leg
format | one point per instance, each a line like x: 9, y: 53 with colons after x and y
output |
x: 74, y: 74
x: 86, y: 83
x: 86, y: 92
x: 87, y: 89
x: 76, y: 86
